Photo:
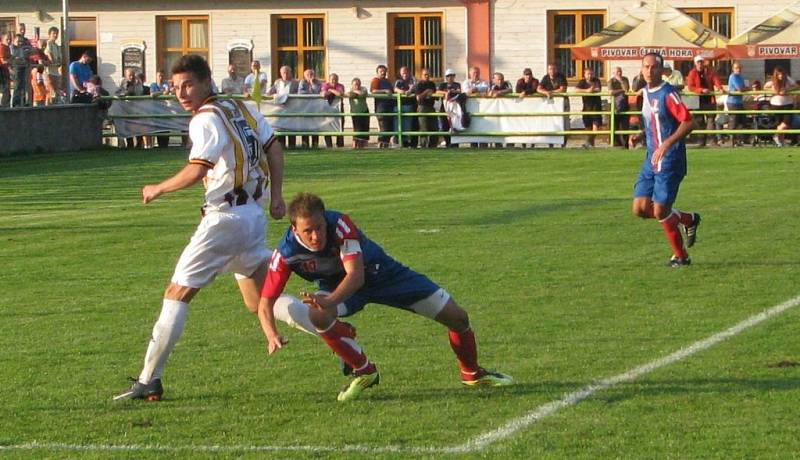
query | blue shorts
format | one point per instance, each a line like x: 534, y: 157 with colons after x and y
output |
x: 661, y: 188
x: 402, y: 289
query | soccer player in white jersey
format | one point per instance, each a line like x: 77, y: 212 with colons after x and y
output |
x: 235, y: 154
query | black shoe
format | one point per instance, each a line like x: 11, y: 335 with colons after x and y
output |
x: 691, y: 230
x: 150, y: 392
x: 676, y: 262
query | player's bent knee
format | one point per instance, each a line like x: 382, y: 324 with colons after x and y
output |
x: 453, y: 316
x: 293, y: 312
x: 180, y: 293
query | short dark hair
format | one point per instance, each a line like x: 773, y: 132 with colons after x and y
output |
x: 381, y: 65
x: 527, y: 71
x: 659, y: 58
x: 52, y: 29
x: 192, y: 63
x: 305, y: 204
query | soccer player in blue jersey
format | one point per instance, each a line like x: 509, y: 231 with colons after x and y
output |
x: 351, y: 270
x: 667, y: 122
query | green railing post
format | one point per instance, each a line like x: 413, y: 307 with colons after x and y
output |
x: 612, y: 122
x: 399, y: 129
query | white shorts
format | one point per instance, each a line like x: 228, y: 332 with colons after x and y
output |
x: 232, y: 240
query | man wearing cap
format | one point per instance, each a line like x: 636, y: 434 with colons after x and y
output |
x: 702, y: 80
x: 448, y: 90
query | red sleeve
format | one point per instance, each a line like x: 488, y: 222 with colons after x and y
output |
x: 677, y: 108
x: 373, y: 85
x: 277, y: 275
x: 347, y: 238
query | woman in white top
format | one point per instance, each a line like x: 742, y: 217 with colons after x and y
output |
x: 781, y: 84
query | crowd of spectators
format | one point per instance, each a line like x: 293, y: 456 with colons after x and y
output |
x: 30, y: 76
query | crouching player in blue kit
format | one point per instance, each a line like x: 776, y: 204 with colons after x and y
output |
x: 351, y: 270
x: 667, y: 122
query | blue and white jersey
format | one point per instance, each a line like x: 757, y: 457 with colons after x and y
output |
x: 662, y: 112
x: 326, y: 267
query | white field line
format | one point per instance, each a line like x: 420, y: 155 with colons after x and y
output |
x: 475, y: 444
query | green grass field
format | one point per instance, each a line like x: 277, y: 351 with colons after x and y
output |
x: 564, y: 288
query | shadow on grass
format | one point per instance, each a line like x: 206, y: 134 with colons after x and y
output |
x: 699, y: 387
x: 67, y: 162
x: 523, y: 212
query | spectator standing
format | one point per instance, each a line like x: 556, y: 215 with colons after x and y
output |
x: 555, y: 82
x: 53, y: 52
x: 526, y: 85
x: 79, y: 73
x: 425, y: 89
x: 736, y: 102
x: 5, y: 72
x: 618, y: 87
x: 310, y: 85
x: 674, y: 77
x: 333, y: 91
x: 233, y: 83
x: 781, y: 83
x: 255, y: 84
x: 281, y: 89
x: 637, y: 86
x: 590, y: 84
x: 358, y: 104
x: 499, y: 86
x: 382, y: 87
x: 404, y: 86
x: 20, y: 53
x: 131, y: 86
x: 448, y: 89
x: 474, y: 86
x: 703, y: 80
x: 38, y: 86
x: 160, y: 87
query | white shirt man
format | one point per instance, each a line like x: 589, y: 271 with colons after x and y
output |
x: 235, y: 154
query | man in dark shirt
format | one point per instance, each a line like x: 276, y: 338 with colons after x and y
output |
x: 408, y: 104
x: 555, y: 82
x: 424, y: 89
x: 590, y: 84
x: 447, y: 89
x: 527, y: 85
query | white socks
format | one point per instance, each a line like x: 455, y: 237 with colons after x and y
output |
x: 293, y: 312
x: 166, y: 332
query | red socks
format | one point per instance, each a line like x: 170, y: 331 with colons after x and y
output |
x: 673, y: 234
x: 463, y: 345
x: 340, y: 339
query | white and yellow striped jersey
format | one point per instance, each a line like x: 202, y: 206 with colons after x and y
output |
x: 230, y: 137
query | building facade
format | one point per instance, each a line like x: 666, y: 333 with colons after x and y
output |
x: 352, y: 38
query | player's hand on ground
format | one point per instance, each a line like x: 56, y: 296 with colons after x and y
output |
x: 150, y: 193
x: 275, y: 343
x: 277, y: 208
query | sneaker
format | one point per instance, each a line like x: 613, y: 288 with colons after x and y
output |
x: 151, y: 391
x: 357, y: 385
x: 487, y: 378
x: 587, y: 146
x: 676, y: 262
x: 691, y: 230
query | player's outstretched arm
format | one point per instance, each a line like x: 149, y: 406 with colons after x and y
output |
x: 189, y: 175
x: 277, y: 206
x: 266, y: 317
